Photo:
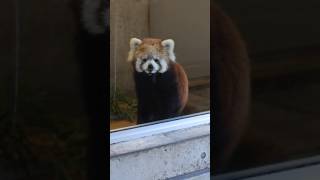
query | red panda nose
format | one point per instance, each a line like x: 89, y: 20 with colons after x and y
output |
x: 150, y: 67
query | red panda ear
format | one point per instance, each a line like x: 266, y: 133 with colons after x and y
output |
x: 134, y: 43
x: 168, y: 44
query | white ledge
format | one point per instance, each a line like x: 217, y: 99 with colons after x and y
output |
x: 168, y: 149
x: 146, y: 143
x: 150, y: 129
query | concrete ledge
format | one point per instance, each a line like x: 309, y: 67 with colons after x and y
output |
x: 167, y: 155
x: 163, y: 139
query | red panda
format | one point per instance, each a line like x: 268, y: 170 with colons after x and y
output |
x: 230, y: 90
x: 161, y: 83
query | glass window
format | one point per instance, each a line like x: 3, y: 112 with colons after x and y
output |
x: 134, y: 99
x: 283, y: 44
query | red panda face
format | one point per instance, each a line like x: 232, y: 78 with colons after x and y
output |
x: 150, y: 65
x: 150, y: 55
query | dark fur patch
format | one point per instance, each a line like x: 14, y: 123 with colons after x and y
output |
x: 158, y: 96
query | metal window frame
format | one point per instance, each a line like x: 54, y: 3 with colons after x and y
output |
x: 276, y: 171
x: 163, y: 126
x: 164, y: 144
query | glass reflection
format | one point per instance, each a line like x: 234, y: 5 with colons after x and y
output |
x: 284, y: 59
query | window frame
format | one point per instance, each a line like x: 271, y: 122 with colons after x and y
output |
x: 308, y: 167
x: 162, y: 126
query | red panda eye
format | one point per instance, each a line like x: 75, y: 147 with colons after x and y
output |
x: 156, y: 60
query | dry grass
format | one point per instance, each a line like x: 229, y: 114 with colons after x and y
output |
x: 122, y: 106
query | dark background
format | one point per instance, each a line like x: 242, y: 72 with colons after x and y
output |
x: 53, y: 86
x: 60, y: 99
x: 284, y: 48
x: 273, y: 25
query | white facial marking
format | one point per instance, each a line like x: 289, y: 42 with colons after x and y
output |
x: 143, y: 66
x: 138, y: 65
x: 169, y: 45
x: 134, y: 43
x: 164, y: 66
x: 156, y: 67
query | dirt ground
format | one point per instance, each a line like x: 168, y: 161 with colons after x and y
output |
x: 199, y: 100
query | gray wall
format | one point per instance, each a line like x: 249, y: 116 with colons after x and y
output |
x: 188, y: 23
x: 128, y: 18
x: 162, y: 19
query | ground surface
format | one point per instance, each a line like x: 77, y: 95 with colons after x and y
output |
x: 199, y: 100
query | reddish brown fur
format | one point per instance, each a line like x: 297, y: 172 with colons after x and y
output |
x: 183, y: 85
x: 174, y: 81
x: 151, y: 46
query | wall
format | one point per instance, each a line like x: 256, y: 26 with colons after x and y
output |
x: 188, y: 23
x: 163, y: 19
x: 128, y: 18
